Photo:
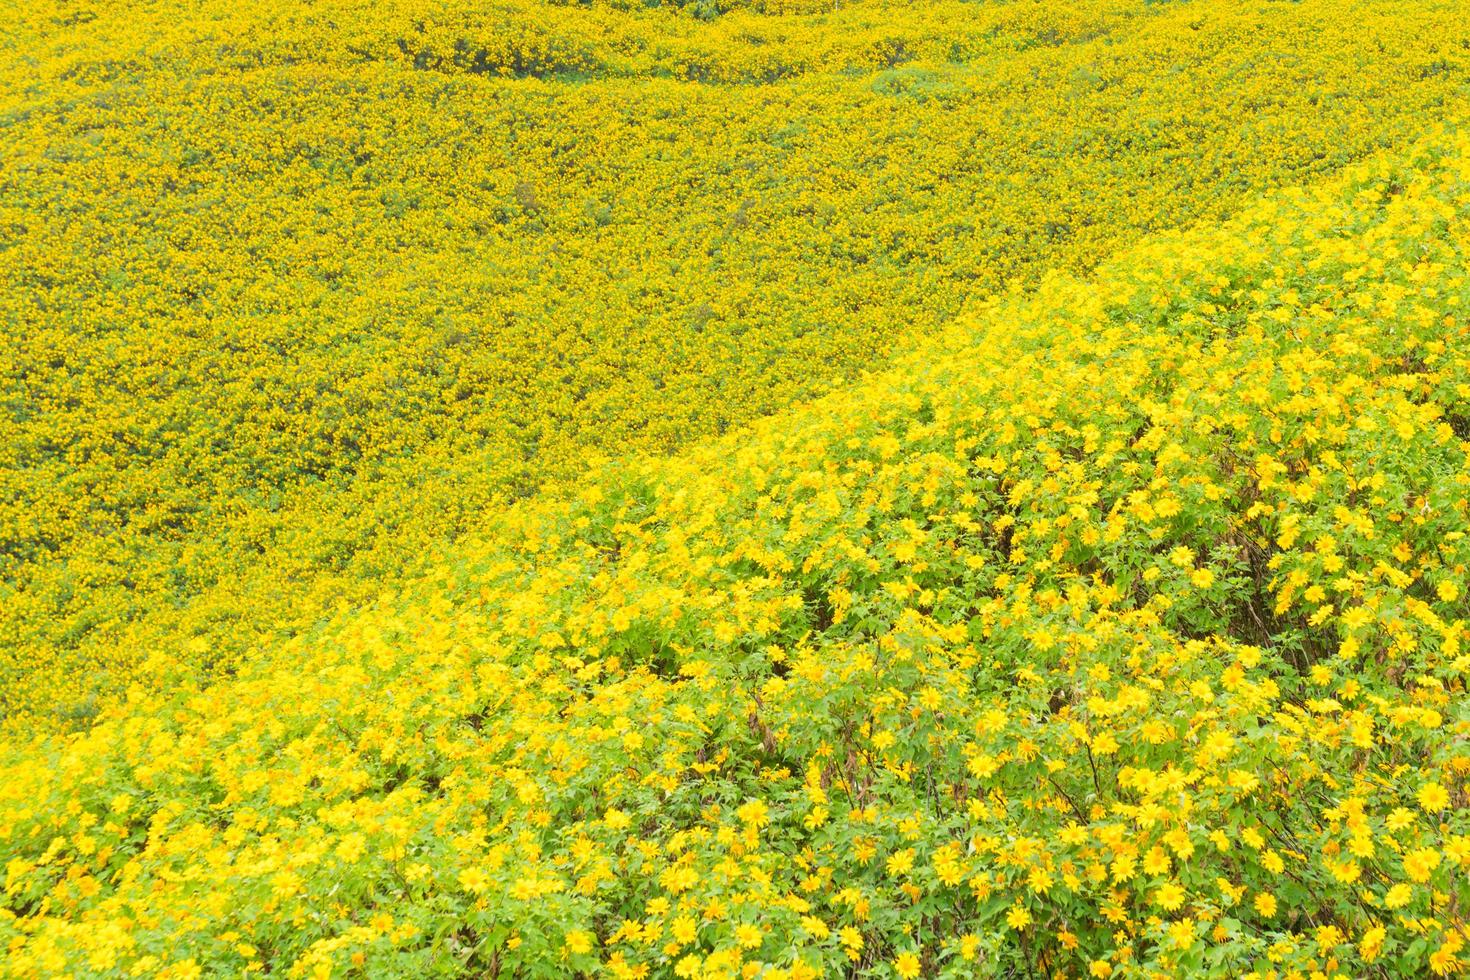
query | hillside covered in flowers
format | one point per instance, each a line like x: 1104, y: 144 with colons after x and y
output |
x: 295, y: 292
x: 865, y: 490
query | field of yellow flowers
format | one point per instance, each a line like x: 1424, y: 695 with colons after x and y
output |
x: 1118, y: 633
x: 295, y: 293
x: 735, y: 490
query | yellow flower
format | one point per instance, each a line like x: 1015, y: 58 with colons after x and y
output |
x: 1420, y: 863
x: 1443, y: 960
x: 1399, y: 818
x: 1433, y: 797
x: 1018, y: 917
x: 1372, y: 943
x: 1398, y: 896
x: 1169, y: 896
x: 474, y: 880
x: 754, y: 813
x: 684, y: 929
x: 1124, y: 867
x: 907, y: 965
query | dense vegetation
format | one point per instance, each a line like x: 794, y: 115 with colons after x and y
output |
x: 1123, y: 637
x: 729, y: 490
x: 294, y: 293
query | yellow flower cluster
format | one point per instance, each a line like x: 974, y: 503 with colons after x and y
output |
x: 1118, y: 634
x: 291, y: 294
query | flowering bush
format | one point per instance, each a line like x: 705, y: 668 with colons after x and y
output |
x: 294, y: 293
x: 1117, y: 633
